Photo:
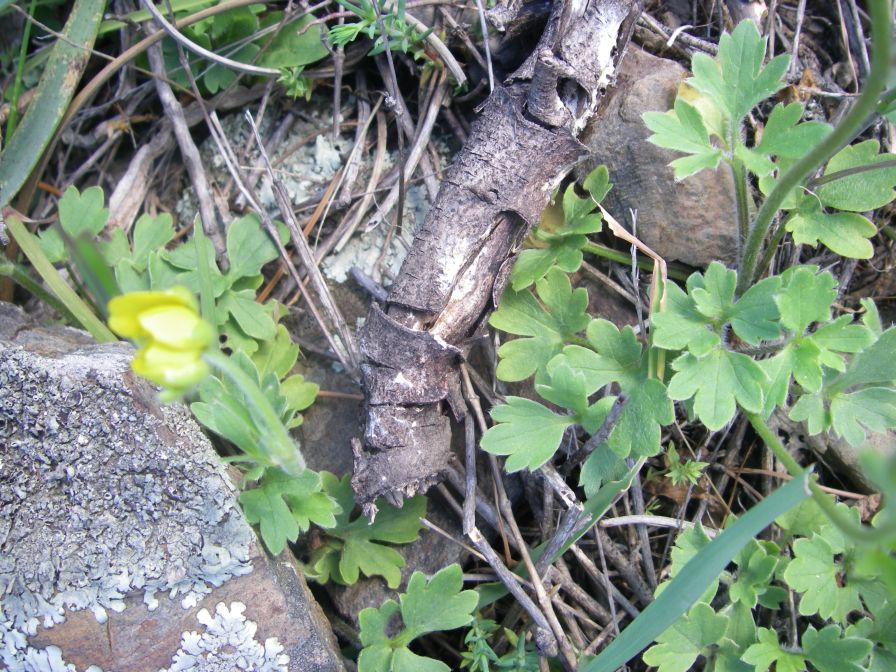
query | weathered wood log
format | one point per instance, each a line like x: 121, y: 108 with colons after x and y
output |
x: 523, y: 143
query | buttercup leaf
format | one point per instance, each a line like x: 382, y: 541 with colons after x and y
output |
x: 526, y: 431
x: 716, y: 382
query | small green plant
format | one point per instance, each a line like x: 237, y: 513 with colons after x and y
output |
x: 352, y: 545
x: 144, y: 263
x: 687, y: 472
x: 735, y: 343
x: 817, y: 563
x: 243, y: 34
x: 481, y: 657
x: 426, y: 606
x: 251, y: 399
x: 400, y: 35
x: 706, y: 124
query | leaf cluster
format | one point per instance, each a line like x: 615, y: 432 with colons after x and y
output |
x: 426, y: 606
x: 400, y: 35
x: 561, y: 235
x: 813, y: 560
x: 353, y: 546
x: 243, y: 34
x: 143, y: 262
x: 706, y: 124
x: 282, y: 504
x: 481, y: 657
x: 822, y: 361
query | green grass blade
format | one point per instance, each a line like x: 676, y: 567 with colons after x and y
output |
x: 19, y: 275
x: 82, y: 313
x: 54, y: 92
x: 696, y: 576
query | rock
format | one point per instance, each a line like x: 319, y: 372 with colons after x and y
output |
x: 692, y: 221
x: 121, y: 543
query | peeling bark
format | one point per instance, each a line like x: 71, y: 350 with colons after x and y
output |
x: 521, y: 146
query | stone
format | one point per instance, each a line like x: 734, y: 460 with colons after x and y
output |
x: 692, y: 221
x: 122, y: 546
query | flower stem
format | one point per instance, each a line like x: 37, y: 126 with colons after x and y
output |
x: 275, y: 440
x: 865, y: 105
x: 739, y: 175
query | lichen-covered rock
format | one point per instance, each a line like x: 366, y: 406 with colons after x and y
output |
x: 691, y: 221
x: 121, y: 543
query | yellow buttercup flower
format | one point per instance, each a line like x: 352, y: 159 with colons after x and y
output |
x: 170, y: 335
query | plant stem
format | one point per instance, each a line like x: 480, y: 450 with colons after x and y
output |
x: 865, y: 105
x: 82, y: 313
x: 19, y: 276
x: 276, y: 442
x: 842, y: 521
x: 772, y: 246
x: 739, y: 175
x: 840, y: 174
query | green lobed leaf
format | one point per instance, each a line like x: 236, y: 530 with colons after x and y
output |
x: 578, y: 214
x: 277, y: 355
x: 714, y: 299
x: 682, y: 129
x: 526, y: 431
x: 755, y: 571
x: 829, y: 651
x: 566, y: 388
x: 716, y: 381
x: 530, y: 266
x: 298, y: 392
x: 767, y: 652
x: 267, y: 506
x: 559, y: 317
x: 439, y: 604
x: 359, y: 551
x: 754, y: 161
x: 615, y: 357
x: 184, y: 257
x: 783, y: 136
x: 875, y: 365
x: 639, y: 428
x: 870, y: 409
x: 680, y: 326
x: 597, y: 182
x: 298, y: 43
x: 253, y: 318
x: 248, y: 247
x: 810, y: 408
x: 864, y: 191
x: 736, y: 80
x: 815, y: 575
x: 150, y: 235
x: 845, y: 233
x: 83, y: 212
x: 806, y: 297
x: 688, y: 638
x: 755, y: 316
x: 601, y: 466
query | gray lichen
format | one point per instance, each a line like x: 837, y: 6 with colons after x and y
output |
x: 227, y: 644
x: 102, y: 493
